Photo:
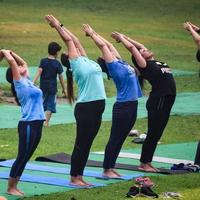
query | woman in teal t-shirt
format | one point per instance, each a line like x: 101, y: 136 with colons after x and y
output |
x: 91, y: 98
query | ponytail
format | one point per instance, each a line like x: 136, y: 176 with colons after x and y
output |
x: 140, y: 77
x: 9, y: 78
x: 70, y: 88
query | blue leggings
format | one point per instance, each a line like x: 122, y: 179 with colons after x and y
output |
x: 30, y: 133
x: 123, y: 119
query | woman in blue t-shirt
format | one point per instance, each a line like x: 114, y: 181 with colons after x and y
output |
x: 125, y: 108
x: 90, y: 101
x: 29, y: 97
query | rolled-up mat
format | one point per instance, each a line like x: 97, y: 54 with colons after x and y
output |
x: 155, y: 158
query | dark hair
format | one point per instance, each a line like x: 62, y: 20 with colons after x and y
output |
x: 70, y: 89
x: 53, y: 48
x: 9, y: 78
x: 140, y: 77
x: 198, y: 55
x: 103, y: 66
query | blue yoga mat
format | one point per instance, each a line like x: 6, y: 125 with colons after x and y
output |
x: 66, y: 170
x: 48, y: 180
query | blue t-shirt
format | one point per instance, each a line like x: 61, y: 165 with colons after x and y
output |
x: 30, y: 98
x: 88, y: 76
x: 126, y: 81
x: 48, y: 79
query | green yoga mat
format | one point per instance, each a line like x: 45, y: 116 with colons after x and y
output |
x: 10, y: 115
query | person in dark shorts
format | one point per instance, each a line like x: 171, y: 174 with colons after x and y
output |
x: 48, y: 70
x: 29, y: 97
x: 194, y: 30
x: 125, y: 108
x: 90, y: 101
x: 161, y: 98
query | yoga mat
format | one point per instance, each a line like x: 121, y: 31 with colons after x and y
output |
x: 155, y: 158
x: 66, y: 158
x: 65, y: 170
x: 48, y: 180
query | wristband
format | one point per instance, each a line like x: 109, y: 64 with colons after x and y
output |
x: 61, y: 25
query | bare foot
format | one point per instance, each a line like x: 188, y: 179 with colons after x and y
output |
x: 2, y: 198
x: 119, y: 175
x: 157, y: 170
x: 75, y: 181
x: 146, y: 167
x: 15, y: 191
x: 81, y: 179
x: 110, y: 173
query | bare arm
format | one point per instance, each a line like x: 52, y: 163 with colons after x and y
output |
x: 131, y: 47
x: 38, y: 74
x: 72, y: 51
x: 62, y: 82
x: 13, y: 64
x: 111, y: 47
x: 195, y: 27
x: 19, y: 60
x: 76, y: 42
x: 192, y: 31
x: 134, y: 42
x: 107, y: 54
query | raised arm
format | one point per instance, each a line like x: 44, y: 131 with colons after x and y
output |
x: 193, y: 32
x: 101, y: 44
x: 110, y: 46
x: 12, y: 63
x: 76, y: 41
x: 131, y: 47
x: 195, y: 27
x: 18, y: 59
x: 135, y: 43
x: 54, y: 23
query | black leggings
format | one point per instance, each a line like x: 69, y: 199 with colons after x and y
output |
x: 88, y: 120
x: 158, y: 115
x: 197, y: 157
x: 123, y: 119
x: 30, y: 133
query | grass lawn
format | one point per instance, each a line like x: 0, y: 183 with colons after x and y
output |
x: 157, y: 24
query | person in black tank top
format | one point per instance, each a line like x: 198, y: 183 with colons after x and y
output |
x: 161, y: 98
x: 195, y: 31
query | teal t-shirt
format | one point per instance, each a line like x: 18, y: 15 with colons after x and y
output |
x: 88, y: 76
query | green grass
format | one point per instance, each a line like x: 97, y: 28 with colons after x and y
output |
x: 157, y: 24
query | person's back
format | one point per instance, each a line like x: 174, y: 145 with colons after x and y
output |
x: 48, y: 71
x: 48, y: 79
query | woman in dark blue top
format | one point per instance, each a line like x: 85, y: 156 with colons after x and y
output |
x: 29, y: 97
x: 161, y: 98
x: 125, y: 108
